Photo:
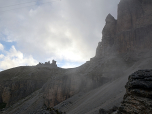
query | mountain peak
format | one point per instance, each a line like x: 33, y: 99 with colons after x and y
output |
x: 110, y: 18
x: 131, y: 31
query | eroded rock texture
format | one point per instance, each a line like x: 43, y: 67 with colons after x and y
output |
x: 12, y: 91
x: 109, y: 32
x: 131, y: 31
x: 66, y: 85
x: 17, y: 83
x: 138, y: 97
x: 58, y: 90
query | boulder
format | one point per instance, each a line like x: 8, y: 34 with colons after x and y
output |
x: 138, y: 97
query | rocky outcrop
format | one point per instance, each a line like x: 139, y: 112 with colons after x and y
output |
x: 129, y: 35
x: 12, y: 91
x: 108, y: 35
x: 138, y: 97
x: 17, y: 83
x: 131, y: 31
x: 58, y: 90
x: 133, y: 14
x: 65, y: 86
x: 48, y: 64
x: 110, y: 111
x: 49, y: 111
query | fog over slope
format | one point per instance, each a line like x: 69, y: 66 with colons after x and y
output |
x: 64, y: 30
x: 99, y: 83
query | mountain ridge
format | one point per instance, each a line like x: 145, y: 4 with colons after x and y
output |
x: 98, y: 83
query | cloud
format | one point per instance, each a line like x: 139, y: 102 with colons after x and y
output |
x: 14, y: 58
x: 1, y: 47
x: 1, y: 56
x: 69, y: 65
x: 67, y: 30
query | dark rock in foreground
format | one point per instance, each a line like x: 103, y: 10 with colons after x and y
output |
x: 110, y: 111
x: 138, y: 97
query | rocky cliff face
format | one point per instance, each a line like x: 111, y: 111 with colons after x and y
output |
x: 17, y: 83
x: 131, y: 31
x: 122, y: 42
x: 123, y: 38
x: 108, y: 35
x: 12, y: 91
x: 66, y: 85
x: 59, y: 90
x: 138, y: 97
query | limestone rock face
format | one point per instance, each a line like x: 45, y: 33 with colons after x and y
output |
x: 63, y: 87
x: 129, y: 11
x: 110, y: 28
x: 138, y: 97
x: 131, y: 31
x: 58, y: 91
x: 12, y: 91
x: 108, y: 33
x: 18, y: 83
x: 6, y: 95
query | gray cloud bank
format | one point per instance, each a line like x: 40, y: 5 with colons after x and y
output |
x: 66, y: 30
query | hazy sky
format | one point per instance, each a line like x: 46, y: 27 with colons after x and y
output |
x: 68, y: 31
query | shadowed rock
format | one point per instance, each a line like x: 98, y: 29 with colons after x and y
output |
x: 47, y: 64
x: 129, y: 35
x: 131, y: 32
x: 138, y: 97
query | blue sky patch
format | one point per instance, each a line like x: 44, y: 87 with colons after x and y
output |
x: 68, y: 64
x: 7, y: 45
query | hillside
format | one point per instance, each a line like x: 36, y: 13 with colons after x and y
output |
x: 99, y: 83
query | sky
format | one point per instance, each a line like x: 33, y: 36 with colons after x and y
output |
x: 68, y: 31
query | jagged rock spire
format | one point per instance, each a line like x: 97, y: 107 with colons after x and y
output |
x: 131, y: 31
x: 110, y: 18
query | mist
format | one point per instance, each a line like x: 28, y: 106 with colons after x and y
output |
x: 67, y: 31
